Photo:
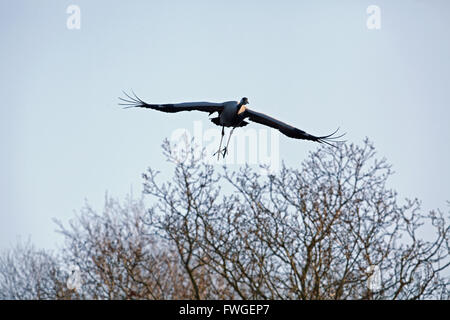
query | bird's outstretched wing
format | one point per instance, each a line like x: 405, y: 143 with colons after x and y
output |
x: 135, y: 102
x: 288, y: 130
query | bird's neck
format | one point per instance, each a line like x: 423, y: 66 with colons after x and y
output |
x: 241, y: 108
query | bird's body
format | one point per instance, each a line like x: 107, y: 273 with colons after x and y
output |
x: 228, y: 117
x: 231, y: 114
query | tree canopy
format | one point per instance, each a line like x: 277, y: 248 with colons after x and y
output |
x: 329, y: 229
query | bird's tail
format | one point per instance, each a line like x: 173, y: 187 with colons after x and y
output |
x: 216, y: 121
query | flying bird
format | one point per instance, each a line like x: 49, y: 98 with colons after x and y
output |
x: 230, y: 114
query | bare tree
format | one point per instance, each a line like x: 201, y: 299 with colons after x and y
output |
x: 119, y: 257
x: 330, y: 229
x: 28, y: 273
x: 309, y: 233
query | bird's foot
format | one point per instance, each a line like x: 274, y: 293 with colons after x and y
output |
x: 218, y: 152
x: 224, y: 152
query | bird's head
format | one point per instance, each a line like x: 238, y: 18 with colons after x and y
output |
x: 244, y: 101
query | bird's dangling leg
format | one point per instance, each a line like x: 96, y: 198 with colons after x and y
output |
x: 220, y: 145
x: 225, y: 150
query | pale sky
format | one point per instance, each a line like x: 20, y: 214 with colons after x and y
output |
x: 313, y: 64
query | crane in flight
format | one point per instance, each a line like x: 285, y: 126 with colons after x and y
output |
x: 231, y: 114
